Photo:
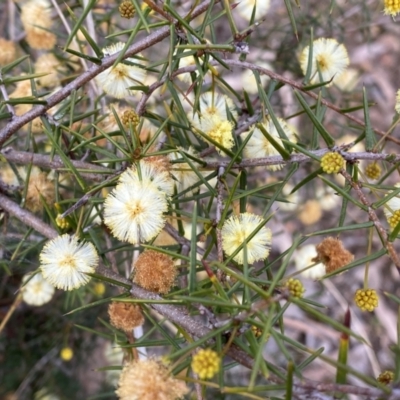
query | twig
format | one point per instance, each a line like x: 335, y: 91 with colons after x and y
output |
x: 17, y: 301
x: 220, y: 206
x: 373, y: 217
x: 27, y: 217
x: 55, y: 163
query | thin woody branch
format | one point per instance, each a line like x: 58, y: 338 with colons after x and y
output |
x: 374, y: 218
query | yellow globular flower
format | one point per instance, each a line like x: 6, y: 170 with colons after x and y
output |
x: 62, y: 222
x: 373, y: 170
x: 295, y: 287
x: 206, y: 363
x: 256, y: 330
x: 385, y: 377
x: 392, y: 7
x: 126, y: 9
x: 366, y: 299
x: 129, y: 116
x: 332, y: 163
x: 99, y: 288
x: 394, y: 219
x: 66, y: 353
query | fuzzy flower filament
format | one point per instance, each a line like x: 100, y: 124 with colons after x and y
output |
x: 134, y: 213
x: 65, y: 262
x: 237, y: 229
x: 259, y: 146
x: 212, y: 119
x: 149, y: 380
x: 329, y: 59
x: 37, y: 291
x: 116, y: 81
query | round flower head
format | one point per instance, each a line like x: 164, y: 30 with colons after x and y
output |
x: 206, y: 363
x: 296, y: 288
x: 213, y: 104
x: 248, y: 80
x: 36, y: 20
x: 245, y: 8
x: 303, y: 258
x: 116, y: 81
x: 182, y: 172
x: 392, y: 7
x: 7, y: 51
x: 155, y: 271
x: 212, y: 119
x: 237, y: 229
x: 66, y: 354
x: 125, y: 316
x: 397, y: 106
x: 37, y: 291
x: 149, y: 380
x: 65, y: 262
x: 40, y: 189
x: 148, y: 176
x: 134, y: 213
x: 259, y: 146
x: 332, y: 162
x: 373, y: 170
x: 329, y: 59
x: 366, y: 299
x: 126, y: 9
x: 392, y: 210
x: 48, y: 63
x: 332, y: 254
x: 386, y: 377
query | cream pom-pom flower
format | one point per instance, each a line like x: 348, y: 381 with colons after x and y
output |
x: 212, y: 118
x: 135, y: 213
x: 149, y: 380
x: 303, y: 258
x: 37, y: 291
x: 116, y: 81
x: 65, y: 262
x: 237, y: 229
x: 213, y: 104
x: 147, y: 175
x: 329, y: 59
x: 245, y: 8
x: 259, y: 146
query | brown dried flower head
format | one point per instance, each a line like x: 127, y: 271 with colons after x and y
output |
x: 49, y: 64
x: 155, y: 271
x: 36, y: 20
x: 149, y: 380
x: 40, y: 188
x: 332, y: 254
x: 125, y: 316
x: 7, y: 51
x: 23, y: 89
